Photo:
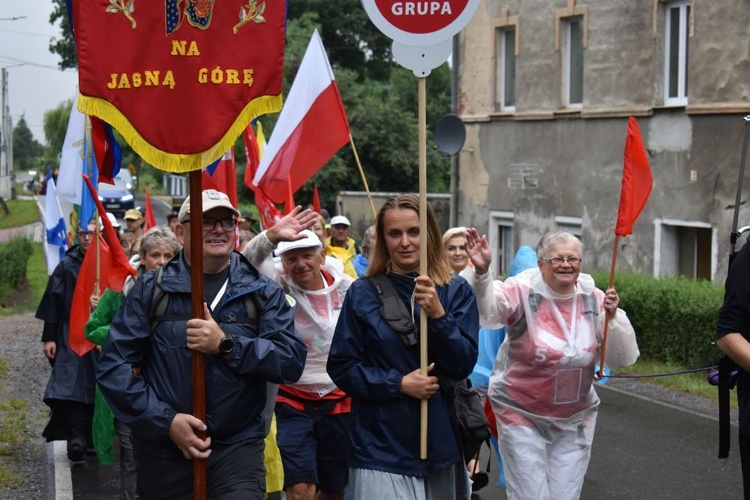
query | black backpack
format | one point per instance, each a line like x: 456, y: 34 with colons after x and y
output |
x: 470, y: 424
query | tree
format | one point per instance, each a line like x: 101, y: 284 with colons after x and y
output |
x: 56, y: 125
x: 27, y: 151
x: 64, y: 46
x: 352, y: 41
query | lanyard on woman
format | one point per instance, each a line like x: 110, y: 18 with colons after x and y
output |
x: 570, y: 332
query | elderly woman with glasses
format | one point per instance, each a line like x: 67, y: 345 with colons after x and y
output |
x: 541, y: 388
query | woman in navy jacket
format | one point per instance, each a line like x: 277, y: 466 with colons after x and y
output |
x: 373, y: 364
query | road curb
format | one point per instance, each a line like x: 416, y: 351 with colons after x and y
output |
x: 59, y: 479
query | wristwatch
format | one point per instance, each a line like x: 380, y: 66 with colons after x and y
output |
x: 226, y: 346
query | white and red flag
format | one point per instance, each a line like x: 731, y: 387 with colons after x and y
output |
x: 312, y: 126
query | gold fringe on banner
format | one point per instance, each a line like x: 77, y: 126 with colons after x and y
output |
x: 171, y: 162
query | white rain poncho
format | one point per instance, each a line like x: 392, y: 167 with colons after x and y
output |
x: 315, y: 317
x: 541, y: 383
x: 315, y: 314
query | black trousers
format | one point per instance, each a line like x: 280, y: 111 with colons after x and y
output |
x: 68, y: 420
x: 233, y: 471
x: 745, y: 460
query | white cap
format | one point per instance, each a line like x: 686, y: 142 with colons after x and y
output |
x: 310, y: 240
x: 211, y: 199
x: 113, y: 220
x: 340, y: 219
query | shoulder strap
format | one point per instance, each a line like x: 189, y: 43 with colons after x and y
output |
x: 393, y: 310
x: 160, y: 301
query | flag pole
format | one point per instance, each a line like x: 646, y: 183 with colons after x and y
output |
x: 196, y: 303
x: 422, y: 124
x: 364, y: 179
x: 98, y: 260
x: 606, y: 319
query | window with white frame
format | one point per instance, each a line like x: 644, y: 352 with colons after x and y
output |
x: 572, y: 62
x: 685, y: 248
x: 501, y: 241
x: 505, y: 69
x: 572, y: 225
x: 676, y: 23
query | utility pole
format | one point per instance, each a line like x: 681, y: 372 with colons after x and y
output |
x: 6, y: 139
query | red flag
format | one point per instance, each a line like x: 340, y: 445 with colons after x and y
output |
x: 118, y: 267
x: 267, y: 211
x: 289, y: 203
x: 312, y: 126
x: 316, y: 200
x: 150, y: 218
x: 80, y: 309
x: 223, y: 178
x: 636, y: 181
x: 252, y: 155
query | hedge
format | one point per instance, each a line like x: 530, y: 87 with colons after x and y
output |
x: 14, y: 258
x: 674, y: 318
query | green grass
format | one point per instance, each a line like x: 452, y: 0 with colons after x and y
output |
x: 20, y: 213
x: 36, y: 276
x: 691, y: 383
x: 14, y: 424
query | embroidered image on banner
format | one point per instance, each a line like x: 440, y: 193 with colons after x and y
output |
x: 180, y: 79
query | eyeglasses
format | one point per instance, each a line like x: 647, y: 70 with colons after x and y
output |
x: 209, y: 223
x: 573, y: 261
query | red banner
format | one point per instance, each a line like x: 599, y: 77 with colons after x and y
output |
x: 180, y: 79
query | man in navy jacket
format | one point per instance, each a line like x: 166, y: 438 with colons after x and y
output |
x: 145, y: 370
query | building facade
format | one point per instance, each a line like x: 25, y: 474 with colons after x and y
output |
x: 546, y: 87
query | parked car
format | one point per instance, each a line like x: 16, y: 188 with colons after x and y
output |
x: 118, y: 198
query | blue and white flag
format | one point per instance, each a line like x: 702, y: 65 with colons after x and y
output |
x: 54, y: 223
x: 69, y: 179
x: 77, y: 159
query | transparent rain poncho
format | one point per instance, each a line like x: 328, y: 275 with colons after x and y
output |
x: 315, y: 315
x: 544, y: 371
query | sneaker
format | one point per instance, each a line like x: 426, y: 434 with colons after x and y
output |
x: 480, y: 480
x: 76, y: 449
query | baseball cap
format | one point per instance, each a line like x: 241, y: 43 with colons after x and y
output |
x: 133, y: 214
x: 211, y: 199
x: 310, y: 240
x: 340, y: 219
x: 113, y: 220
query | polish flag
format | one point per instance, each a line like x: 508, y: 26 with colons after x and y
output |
x: 312, y: 126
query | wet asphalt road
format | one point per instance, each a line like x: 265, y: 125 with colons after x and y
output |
x: 642, y: 450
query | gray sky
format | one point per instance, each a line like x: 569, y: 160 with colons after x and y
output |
x: 35, y: 84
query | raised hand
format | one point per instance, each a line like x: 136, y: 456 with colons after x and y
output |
x: 288, y: 227
x: 479, y: 251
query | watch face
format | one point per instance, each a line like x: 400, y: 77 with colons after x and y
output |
x: 226, y: 345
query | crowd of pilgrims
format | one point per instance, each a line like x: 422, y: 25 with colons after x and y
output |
x: 309, y: 390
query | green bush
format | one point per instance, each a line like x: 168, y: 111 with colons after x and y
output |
x: 14, y: 258
x: 674, y: 318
